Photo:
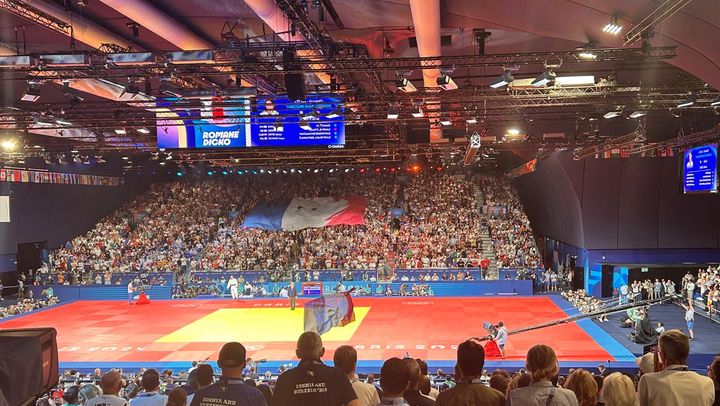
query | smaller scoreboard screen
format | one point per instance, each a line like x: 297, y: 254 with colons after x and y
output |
x: 700, y: 169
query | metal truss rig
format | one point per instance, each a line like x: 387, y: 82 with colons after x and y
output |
x: 266, y: 61
x: 28, y: 12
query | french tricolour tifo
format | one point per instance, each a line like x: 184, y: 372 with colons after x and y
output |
x: 298, y: 213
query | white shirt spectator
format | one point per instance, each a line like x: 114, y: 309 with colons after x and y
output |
x: 675, y: 386
x: 366, y: 393
x: 107, y: 400
x: 149, y: 399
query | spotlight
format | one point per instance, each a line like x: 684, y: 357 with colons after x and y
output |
x: 445, y: 82
x: 587, y: 55
x: 637, y: 114
x: 334, y: 114
x: 404, y: 85
x: 613, y: 27
x: 687, y: 103
x: 32, y: 93
x: 544, y: 78
x: 393, y: 114
x: 513, y: 131
x: 8, y: 145
x: 120, y: 131
x: 472, y: 120
x: 144, y: 130
x: 503, y: 80
x: 611, y: 114
x: 418, y: 113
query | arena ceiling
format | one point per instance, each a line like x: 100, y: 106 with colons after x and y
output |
x: 665, y: 54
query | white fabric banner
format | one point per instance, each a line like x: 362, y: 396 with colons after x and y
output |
x: 4, y: 209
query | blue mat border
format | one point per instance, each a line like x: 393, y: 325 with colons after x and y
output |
x: 611, y: 345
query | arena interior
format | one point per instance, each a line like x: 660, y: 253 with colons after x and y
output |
x: 442, y: 189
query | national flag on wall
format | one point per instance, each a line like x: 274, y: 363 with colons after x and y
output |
x: 329, y: 311
x: 298, y: 213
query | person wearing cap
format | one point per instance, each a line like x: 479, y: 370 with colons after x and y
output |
x: 313, y: 383
x: 150, y: 382
x: 230, y: 388
x: 674, y: 384
x: 111, y: 383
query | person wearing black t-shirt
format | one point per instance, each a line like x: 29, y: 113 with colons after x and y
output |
x: 313, y: 383
x: 230, y: 388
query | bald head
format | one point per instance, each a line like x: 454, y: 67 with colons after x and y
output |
x: 414, y: 369
x: 309, y: 346
x: 111, y: 383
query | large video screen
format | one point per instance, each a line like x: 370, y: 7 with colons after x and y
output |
x: 273, y: 122
x: 700, y: 169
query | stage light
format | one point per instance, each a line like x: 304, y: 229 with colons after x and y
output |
x: 587, y: 55
x: 210, y: 173
x: 190, y: 57
x: 125, y: 158
x: 316, y: 171
x: 8, y: 145
x: 120, y: 131
x: 445, y: 121
x: 178, y: 173
x: 544, y: 79
x: 162, y: 163
x: 292, y: 170
x: 472, y: 120
x: 347, y: 170
x: 613, y: 27
x: 418, y: 113
x: 299, y: 170
x: 688, y: 102
x: 415, y: 168
x: 404, y: 85
x: 611, y: 114
x: 144, y: 130
x: 586, y: 80
x: 637, y: 114
x: 445, y: 82
x: 332, y: 170
x: 225, y: 173
x: 334, y: 114
x: 504, y: 80
x: 32, y: 93
x: 513, y: 131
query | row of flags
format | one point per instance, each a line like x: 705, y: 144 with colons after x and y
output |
x: 58, y: 178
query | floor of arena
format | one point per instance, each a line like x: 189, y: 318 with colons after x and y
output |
x: 171, y: 333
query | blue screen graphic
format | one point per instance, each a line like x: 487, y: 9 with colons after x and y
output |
x: 277, y: 122
x: 700, y: 169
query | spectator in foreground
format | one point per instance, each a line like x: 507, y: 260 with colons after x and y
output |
x: 345, y: 358
x: 312, y: 382
x: 150, y: 382
x: 111, y: 384
x: 470, y: 389
x: 203, y: 377
x: 230, y: 389
x: 542, y: 364
x: 583, y: 385
x: 675, y: 385
x: 394, y: 378
x: 714, y: 374
x: 71, y: 395
x: 618, y: 390
x: 177, y: 397
x: 412, y: 393
x: 88, y: 392
x: 433, y: 392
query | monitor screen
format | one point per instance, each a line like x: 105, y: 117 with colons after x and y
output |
x: 700, y: 169
x: 317, y: 121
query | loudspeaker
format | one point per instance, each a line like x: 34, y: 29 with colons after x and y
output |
x: 294, y: 82
x: 28, y: 364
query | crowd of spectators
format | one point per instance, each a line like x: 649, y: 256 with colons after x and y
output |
x: 421, y: 221
x: 662, y: 379
x: 509, y: 227
x: 585, y: 303
x: 26, y: 305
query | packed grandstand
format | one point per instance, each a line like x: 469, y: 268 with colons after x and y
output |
x: 421, y: 221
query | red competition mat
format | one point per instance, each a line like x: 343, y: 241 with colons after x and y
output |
x: 185, y: 330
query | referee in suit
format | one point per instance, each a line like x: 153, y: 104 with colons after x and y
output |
x: 292, y: 295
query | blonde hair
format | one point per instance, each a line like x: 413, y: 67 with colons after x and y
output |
x: 541, y: 362
x: 618, y: 390
x: 582, y: 383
